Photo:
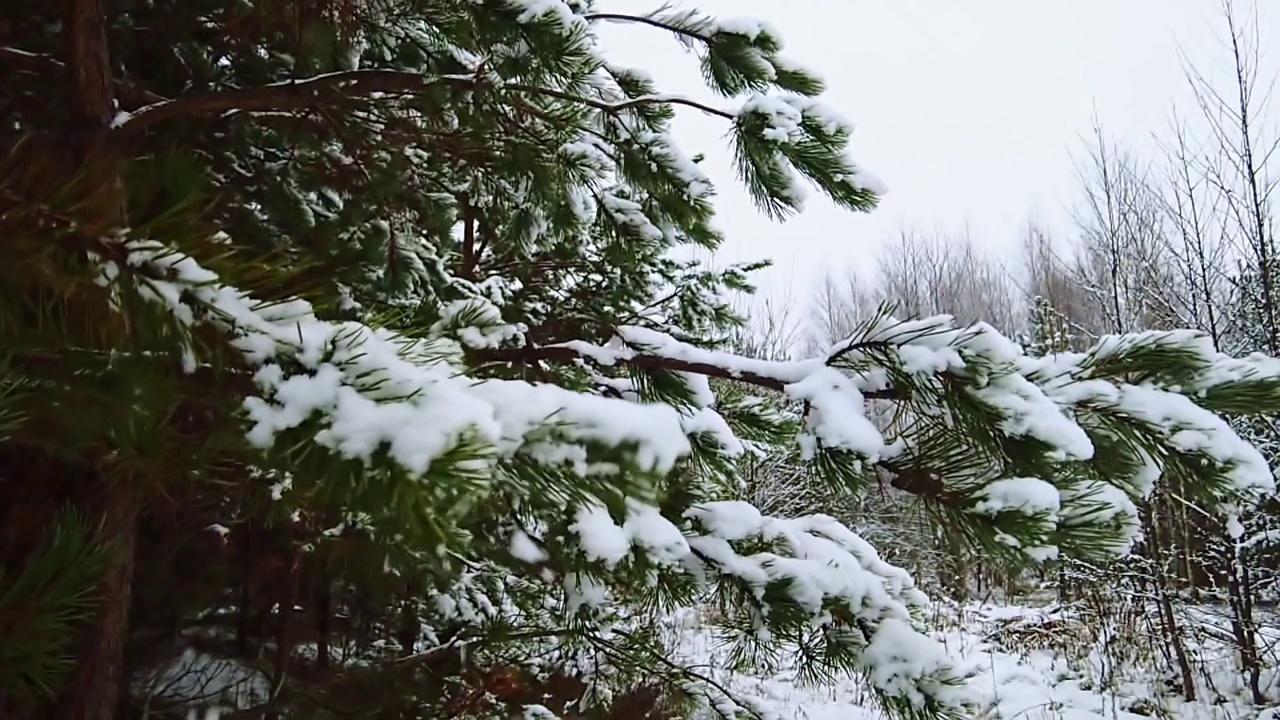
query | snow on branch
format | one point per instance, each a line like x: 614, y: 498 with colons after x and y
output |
x: 372, y: 395
x: 325, y: 90
x: 853, y: 369
x: 1045, y: 414
x: 833, y: 580
x: 375, y: 390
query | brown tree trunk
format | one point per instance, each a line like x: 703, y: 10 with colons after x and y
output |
x: 1243, y: 626
x: 1168, y: 619
x: 244, y: 611
x: 1250, y: 626
x: 88, y: 74
x: 94, y: 690
x: 324, y: 613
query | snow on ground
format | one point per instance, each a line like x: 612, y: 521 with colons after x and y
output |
x: 778, y: 693
x: 1027, y: 664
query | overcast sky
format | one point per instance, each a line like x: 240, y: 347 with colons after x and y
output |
x: 968, y: 110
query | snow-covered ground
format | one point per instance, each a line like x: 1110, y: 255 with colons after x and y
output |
x: 1027, y: 664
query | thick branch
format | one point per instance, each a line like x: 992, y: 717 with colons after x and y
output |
x: 321, y: 90
x: 565, y: 354
x: 925, y: 484
x: 561, y: 354
x: 286, y: 96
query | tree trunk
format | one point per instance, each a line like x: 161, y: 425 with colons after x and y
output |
x: 1243, y: 627
x: 88, y: 74
x: 245, y: 604
x: 94, y: 691
x: 1173, y: 632
x: 324, y: 613
x: 1250, y: 626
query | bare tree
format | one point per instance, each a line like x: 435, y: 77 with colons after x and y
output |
x: 1125, y: 265
x: 1197, y: 240
x: 925, y: 274
x: 918, y: 274
x: 1239, y: 170
x: 1121, y: 258
x: 841, y: 302
x: 772, y: 331
x: 1047, y: 277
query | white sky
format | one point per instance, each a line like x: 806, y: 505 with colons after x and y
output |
x: 968, y: 110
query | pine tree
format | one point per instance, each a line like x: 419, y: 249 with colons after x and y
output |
x: 1050, y: 331
x: 344, y: 343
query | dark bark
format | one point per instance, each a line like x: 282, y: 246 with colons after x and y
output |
x: 94, y: 690
x: 88, y: 68
x: 1168, y: 619
x: 324, y: 613
x: 1243, y: 627
x: 287, y: 599
x: 1250, y: 626
x: 410, y: 626
x: 469, y: 255
x: 243, y: 611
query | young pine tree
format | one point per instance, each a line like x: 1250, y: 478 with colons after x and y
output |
x: 348, y: 367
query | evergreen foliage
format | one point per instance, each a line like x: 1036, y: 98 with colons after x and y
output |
x: 359, y: 330
x: 1050, y: 332
x: 40, y: 605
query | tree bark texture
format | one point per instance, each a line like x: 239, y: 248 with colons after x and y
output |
x: 93, y: 692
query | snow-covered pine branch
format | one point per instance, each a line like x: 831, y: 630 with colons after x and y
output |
x: 367, y: 396
x: 370, y: 396
x: 492, y: 425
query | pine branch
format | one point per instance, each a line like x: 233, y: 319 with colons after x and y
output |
x: 41, y: 603
x: 617, y: 107
x: 920, y: 482
x: 321, y: 90
x: 925, y: 484
x: 569, y: 354
x: 308, y: 93
x: 679, y: 669
x: 643, y: 20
